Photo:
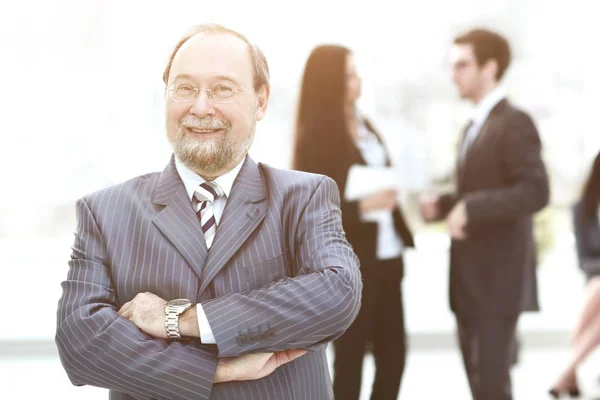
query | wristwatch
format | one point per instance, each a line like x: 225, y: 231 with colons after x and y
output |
x: 172, y: 311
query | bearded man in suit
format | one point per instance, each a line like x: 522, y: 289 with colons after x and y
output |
x: 218, y: 278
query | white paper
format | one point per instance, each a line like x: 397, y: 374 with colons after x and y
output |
x: 375, y: 216
x: 364, y: 180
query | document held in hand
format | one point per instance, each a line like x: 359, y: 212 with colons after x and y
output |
x: 364, y: 180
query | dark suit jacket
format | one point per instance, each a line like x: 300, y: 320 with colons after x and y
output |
x: 279, y: 275
x: 587, y: 241
x: 361, y: 235
x: 503, y: 182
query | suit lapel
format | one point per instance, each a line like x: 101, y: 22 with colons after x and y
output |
x: 177, y: 220
x: 484, y: 131
x: 246, y: 208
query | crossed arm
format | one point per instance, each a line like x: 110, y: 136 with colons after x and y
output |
x: 124, y: 349
x: 146, y: 311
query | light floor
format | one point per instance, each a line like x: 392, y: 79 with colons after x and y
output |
x: 431, y: 373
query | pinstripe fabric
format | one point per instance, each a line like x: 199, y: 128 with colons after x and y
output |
x: 279, y: 275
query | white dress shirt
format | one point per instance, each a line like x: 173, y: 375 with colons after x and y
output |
x: 191, y: 181
x: 389, y: 244
x: 480, y: 113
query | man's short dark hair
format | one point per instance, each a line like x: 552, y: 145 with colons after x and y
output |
x: 487, y: 45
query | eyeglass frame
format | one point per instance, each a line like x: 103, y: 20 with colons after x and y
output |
x: 209, y: 93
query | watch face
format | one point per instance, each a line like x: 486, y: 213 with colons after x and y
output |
x: 179, y: 302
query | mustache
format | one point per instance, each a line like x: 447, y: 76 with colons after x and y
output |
x: 190, y: 121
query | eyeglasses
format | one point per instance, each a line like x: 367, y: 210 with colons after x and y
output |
x: 185, y: 93
x: 462, y: 64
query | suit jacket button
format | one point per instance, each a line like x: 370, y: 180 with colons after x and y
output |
x: 241, y: 340
x: 252, y: 338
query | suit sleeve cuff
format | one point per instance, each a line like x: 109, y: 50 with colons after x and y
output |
x: 206, y: 333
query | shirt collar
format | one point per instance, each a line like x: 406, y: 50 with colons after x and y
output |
x: 485, y: 106
x: 192, y: 180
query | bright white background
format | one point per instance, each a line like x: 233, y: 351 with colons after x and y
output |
x: 81, y: 107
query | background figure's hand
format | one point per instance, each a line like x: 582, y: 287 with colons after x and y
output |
x: 457, y: 221
x: 382, y: 200
x: 147, y: 312
x: 429, y: 207
x: 248, y: 367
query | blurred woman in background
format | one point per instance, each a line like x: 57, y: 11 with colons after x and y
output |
x: 586, y: 335
x: 330, y: 137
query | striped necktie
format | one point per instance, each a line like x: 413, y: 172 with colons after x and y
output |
x: 206, y: 194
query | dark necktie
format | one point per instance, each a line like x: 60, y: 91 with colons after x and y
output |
x: 465, y: 141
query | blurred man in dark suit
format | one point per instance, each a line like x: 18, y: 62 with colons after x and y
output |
x: 501, y: 183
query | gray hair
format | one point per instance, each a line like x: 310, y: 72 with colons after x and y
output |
x: 259, y: 61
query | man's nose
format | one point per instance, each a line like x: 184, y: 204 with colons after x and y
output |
x: 454, y: 76
x: 203, y: 105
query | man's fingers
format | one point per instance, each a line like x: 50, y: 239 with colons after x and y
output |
x: 295, y: 353
x: 125, y: 314
x: 259, y: 358
x: 286, y: 356
x: 253, y: 365
x: 124, y: 308
x: 249, y: 359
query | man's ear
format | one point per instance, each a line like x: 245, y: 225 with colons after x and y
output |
x: 262, y: 100
x: 491, y: 68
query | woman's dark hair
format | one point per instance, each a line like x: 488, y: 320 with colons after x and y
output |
x: 590, y: 198
x: 321, y: 131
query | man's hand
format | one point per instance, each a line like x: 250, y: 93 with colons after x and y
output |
x: 147, y: 312
x: 248, y: 367
x: 457, y: 221
x: 382, y: 200
x: 429, y: 207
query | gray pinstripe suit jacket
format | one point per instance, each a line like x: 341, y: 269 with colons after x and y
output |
x: 280, y: 275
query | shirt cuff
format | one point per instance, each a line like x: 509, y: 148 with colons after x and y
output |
x: 206, y: 334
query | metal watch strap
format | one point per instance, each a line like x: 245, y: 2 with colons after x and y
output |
x: 172, y: 324
x: 173, y: 309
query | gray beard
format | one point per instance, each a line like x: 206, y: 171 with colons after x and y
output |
x: 211, y: 155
